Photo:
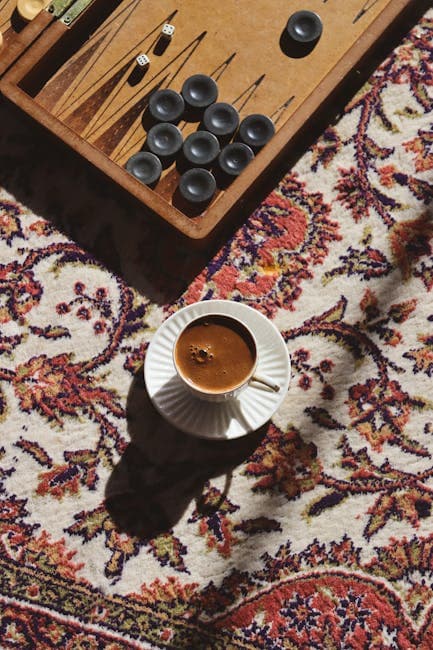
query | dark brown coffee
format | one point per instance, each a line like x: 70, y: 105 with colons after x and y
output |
x: 215, y: 353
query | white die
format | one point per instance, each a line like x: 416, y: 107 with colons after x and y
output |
x: 142, y: 60
x: 167, y: 30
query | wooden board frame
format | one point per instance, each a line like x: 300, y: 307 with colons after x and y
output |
x: 18, y: 81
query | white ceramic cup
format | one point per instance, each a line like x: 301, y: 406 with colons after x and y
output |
x: 234, y: 390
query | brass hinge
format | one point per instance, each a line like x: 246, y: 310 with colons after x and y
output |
x: 68, y: 10
x: 58, y: 7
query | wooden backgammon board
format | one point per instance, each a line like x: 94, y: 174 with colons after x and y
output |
x: 74, y: 70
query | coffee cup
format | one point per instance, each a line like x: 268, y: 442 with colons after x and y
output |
x: 216, y: 356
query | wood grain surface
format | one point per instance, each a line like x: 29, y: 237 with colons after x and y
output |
x: 83, y: 84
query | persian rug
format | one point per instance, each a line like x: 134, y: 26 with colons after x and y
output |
x: 118, y: 531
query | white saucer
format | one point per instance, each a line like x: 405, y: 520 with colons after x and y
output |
x: 223, y: 420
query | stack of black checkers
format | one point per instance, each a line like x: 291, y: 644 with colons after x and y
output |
x: 223, y: 145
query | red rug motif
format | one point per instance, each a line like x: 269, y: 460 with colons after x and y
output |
x: 117, y: 531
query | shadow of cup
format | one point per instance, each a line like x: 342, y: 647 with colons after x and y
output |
x: 163, y: 469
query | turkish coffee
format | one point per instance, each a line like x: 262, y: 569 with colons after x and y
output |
x: 215, y: 353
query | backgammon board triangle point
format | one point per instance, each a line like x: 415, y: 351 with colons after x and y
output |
x: 81, y: 116
x: 109, y: 140
x: 108, y: 36
x: 112, y: 31
x: 55, y: 89
x: 186, y: 53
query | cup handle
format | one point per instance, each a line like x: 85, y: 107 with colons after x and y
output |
x: 261, y: 379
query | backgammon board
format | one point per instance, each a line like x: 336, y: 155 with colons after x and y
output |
x: 73, y: 69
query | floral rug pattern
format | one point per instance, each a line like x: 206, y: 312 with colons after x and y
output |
x: 116, y: 531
